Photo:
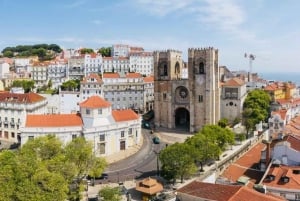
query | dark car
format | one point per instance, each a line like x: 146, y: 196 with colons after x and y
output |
x: 156, y: 140
x: 103, y: 176
x: 146, y: 124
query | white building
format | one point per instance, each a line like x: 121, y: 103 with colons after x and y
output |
x: 109, y: 130
x: 234, y: 93
x: 13, y: 110
x: 92, y: 63
x: 91, y: 85
x: 141, y: 62
x: 4, y: 70
x: 39, y: 74
x: 116, y: 64
x: 57, y: 73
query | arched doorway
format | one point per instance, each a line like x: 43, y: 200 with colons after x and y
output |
x: 182, y: 118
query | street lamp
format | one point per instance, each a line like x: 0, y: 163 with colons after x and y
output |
x: 157, y: 161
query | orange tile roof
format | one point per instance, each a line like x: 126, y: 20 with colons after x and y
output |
x: 234, y: 82
x: 133, y: 75
x: 90, y: 76
x: 283, y: 171
x: 124, y: 115
x: 53, y: 120
x: 220, y: 192
x: 294, y: 142
x: 149, y: 79
x: 21, y: 98
x: 95, y: 102
x: 281, y: 113
x: 111, y: 75
x: 244, y: 166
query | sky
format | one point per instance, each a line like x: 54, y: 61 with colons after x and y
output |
x: 267, y: 29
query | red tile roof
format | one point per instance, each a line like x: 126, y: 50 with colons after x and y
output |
x: 21, y: 98
x: 220, y: 192
x: 124, y: 115
x: 133, y: 75
x: 283, y: 171
x: 281, y: 113
x: 245, y: 166
x: 95, y: 102
x: 234, y: 82
x: 53, y: 120
x: 92, y: 76
x: 294, y: 142
x: 111, y: 75
x: 149, y: 79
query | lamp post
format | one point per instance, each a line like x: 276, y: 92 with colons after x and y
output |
x: 157, y: 161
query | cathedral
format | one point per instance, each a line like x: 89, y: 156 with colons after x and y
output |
x: 186, y: 104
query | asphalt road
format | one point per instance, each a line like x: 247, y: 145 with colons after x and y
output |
x: 140, y: 165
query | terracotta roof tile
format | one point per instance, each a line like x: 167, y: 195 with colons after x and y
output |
x: 92, y: 76
x: 220, y: 192
x: 234, y: 82
x: 21, y: 98
x: 53, y: 120
x: 124, y: 115
x: 133, y: 75
x: 149, y: 79
x: 282, y: 113
x: 111, y: 75
x: 95, y: 102
x: 283, y: 171
x: 245, y: 166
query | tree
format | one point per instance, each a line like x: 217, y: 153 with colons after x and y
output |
x: 86, y: 51
x: 44, y: 169
x: 218, y: 135
x: 27, y: 85
x: 71, y: 85
x: 97, y: 167
x: 223, y: 122
x: 110, y: 194
x: 256, y: 108
x: 105, y: 51
x: 178, y: 161
x: 8, y: 53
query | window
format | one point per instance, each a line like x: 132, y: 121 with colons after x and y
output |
x: 13, y: 135
x: 122, y: 134
x: 88, y: 111
x: 99, y: 111
x: 201, y: 68
x: 74, y: 136
x: 30, y: 137
x: 164, y: 96
x: 101, y: 148
x: 130, y: 131
x: 200, y: 98
x: 102, y: 137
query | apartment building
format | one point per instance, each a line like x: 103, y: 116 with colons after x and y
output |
x: 109, y: 131
x: 13, y: 110
x: 57, y: 72
x: 141, y: 62
x: 39, y: 73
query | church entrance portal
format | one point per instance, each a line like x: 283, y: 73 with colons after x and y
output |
x: 182, y: 118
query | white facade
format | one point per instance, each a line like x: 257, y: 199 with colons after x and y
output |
x: 91, y: 85
x: 4, y: 70
x: 40, y: 74
x: 234, y: 93
x: 116, y: 64
x: 13, y: 110
x: 141, y: 62
x: 120, y: 50
x: 92, y: 63
x: 109, y: 131
x: 57, y: 73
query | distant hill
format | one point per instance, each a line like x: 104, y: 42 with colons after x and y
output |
x: 43, y: 51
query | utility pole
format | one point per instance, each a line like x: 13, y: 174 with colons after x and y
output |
x: 251, y: 58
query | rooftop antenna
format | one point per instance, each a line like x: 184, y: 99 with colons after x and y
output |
x: 251, y: 58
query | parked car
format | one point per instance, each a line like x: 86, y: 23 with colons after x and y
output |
x: 156, y: 140
x: 145, y: 124
x: 103, y: 176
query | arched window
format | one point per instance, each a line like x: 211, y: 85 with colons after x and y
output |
x: 201, y: 68
x: 165, y: 70
x: 177, y: 68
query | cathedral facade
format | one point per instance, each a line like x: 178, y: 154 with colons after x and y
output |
x: 187, y: 104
